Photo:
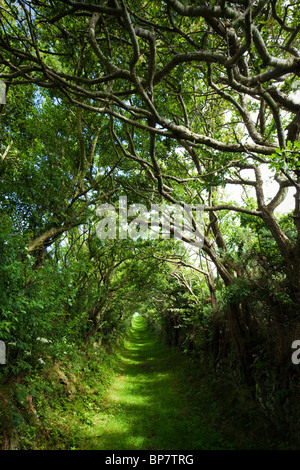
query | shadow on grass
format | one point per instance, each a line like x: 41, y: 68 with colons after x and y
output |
x: 147, y: 407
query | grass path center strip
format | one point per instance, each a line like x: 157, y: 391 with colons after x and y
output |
x: 148, y: 406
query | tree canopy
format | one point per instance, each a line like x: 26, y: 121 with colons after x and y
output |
x: 165, y: 101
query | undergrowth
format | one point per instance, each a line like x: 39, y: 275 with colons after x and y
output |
x: 41, y: 410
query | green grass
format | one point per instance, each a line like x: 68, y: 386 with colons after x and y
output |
x: 156, y: 402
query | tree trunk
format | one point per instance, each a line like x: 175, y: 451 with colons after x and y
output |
x: 239, y: 338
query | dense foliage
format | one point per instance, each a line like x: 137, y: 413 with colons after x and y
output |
x: 169, y: 102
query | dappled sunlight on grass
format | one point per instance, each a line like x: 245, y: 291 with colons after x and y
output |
x: 144, y: 408
x: 154, y: 403
x: 148, y: 396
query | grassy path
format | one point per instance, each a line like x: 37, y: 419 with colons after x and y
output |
x: 150, y: 404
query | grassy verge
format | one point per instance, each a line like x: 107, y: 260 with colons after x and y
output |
x: 44, y: 409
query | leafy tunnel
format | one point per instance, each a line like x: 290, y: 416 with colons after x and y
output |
x: 149, y: 163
